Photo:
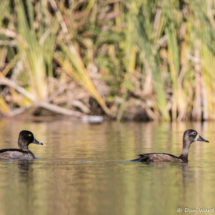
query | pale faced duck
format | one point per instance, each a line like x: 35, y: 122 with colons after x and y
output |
x: 189, y: 137
x: 25, y: 138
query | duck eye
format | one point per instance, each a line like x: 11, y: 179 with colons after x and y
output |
x: 29, y: 135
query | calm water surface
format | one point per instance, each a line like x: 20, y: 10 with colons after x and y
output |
x: 85, y: 169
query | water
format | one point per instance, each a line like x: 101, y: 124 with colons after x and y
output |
x: 85, y: 169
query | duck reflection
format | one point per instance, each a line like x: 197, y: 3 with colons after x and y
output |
x: 24, y: 168
x: 23, y: 165
x: 182, y: 167
x: 185, y: 170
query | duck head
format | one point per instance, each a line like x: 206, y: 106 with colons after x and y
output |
x: 191, y: 136
x: 25, y: 138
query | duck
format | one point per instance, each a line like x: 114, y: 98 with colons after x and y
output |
x: 23, y: 153
x: 189, y: 137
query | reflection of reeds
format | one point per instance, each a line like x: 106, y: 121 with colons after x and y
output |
x: 162, y: 52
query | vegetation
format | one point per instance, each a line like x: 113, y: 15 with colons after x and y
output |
x: 157, y: 55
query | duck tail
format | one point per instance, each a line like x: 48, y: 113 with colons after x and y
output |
x: 142, y: 158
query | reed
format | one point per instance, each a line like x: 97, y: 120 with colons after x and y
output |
x: 162, y: 53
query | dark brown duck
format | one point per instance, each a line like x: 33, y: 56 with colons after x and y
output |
x: 23, y: 153
x: 189, y: 137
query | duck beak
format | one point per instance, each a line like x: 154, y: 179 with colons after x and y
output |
x: 202, y: 140
x: 37, y: 142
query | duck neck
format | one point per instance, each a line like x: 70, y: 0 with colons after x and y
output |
x: 185, y: 150
x: 184, y: 153
x: 23, y: 144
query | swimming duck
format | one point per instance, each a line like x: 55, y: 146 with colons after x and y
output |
x: 189, y: 137
x: 25, y: 138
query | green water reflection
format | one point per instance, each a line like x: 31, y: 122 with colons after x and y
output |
x: 84, y: 169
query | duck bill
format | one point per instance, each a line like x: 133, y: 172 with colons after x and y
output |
x: 202, y: 139
x: 37, y: 142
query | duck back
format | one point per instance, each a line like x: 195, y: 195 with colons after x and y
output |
x: 7, y: 154
x: 157, y: 157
